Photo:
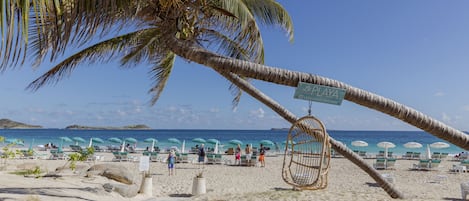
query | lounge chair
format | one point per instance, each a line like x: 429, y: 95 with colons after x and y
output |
x: 57, y: 155
x: 182, y: 157
x: 120, y: 156
x: 76, y: 148
x: 424, y: 164
x: 416, y: 155
x: 380, y: 164
x: 390, y: 163
x: 408, y: 155
x: 434, y: 164
x: 363, y: 154
x: 436, y: 155
x: 380, y: 154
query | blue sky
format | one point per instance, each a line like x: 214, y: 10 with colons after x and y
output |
x: 414, y: 52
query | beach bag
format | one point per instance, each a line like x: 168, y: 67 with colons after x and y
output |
x: 307, y: 155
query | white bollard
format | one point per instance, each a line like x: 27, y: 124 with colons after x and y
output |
x: 198, y: 186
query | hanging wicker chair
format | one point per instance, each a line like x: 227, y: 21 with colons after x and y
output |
x: 307, y: 155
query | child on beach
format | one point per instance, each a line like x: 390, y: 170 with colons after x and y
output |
x: 238, y: 155
x: 261, y: 155
x: 171, y: 160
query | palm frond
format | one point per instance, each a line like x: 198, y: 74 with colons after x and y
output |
x: 100, y: 52
x: 271, y: 13
x: 160, y: 73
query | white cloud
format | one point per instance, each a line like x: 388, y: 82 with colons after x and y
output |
x: 439, y: 94
x: 259, y: 113
x: 446, y: 117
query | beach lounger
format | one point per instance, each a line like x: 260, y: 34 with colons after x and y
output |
x: 182, y: 158
x: 57, y: 155
x: 380, y: 164
x: 75, y: 148
x: 408, y: 155
x: 416, y: 155
x: 424, y: 164
x: 434, y: 164
x: 390, y: 163
x: 120, y: 156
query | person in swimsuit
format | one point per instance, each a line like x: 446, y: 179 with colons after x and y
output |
x: 248, y: 154
x: 171, y: 160
x: 261, y: 155
x: 238, y: 155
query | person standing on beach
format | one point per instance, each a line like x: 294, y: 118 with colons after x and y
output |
x: 171, y: 160
x: 201, y: 153
x: 238, y: 155
x: 261, y: 155
x: 248, y: 154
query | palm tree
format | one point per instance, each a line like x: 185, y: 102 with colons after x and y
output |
x: 168, y: 28
x: 336, y: 145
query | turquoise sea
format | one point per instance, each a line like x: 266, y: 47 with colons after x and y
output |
x: 34, y: 137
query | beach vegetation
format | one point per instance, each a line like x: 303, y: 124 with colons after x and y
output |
x: 79, y: 156
x: 36, y: 172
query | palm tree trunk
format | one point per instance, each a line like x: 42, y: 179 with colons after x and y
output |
x: 291, y: 78
x: 339, y: 147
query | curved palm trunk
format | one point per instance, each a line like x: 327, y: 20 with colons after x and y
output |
x: 349, y: 154
x: 291, y: 78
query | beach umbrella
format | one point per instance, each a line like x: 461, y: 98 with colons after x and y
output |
x: 152, y: 141
x: 183, y: 146
x: 95, y: 140
x: 386, y: 146
x: 199, y: 140
x: 413, y: 145
x: 65, y: 139
x: 359, y: 143
x: 428, y: 153
x: 439, y: 145
x: 114, y: 140
x: 174, y: 140
x: 78, y: 140
x: 213, y: 141
x: 266, y: 142
x: 62, y: 140
x: 235, y: 142
x: 215, y: 150
x: 131, y: 140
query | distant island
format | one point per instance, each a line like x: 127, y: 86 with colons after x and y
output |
x: 280, y: 129
x: 131, y: 127
x: 9, y: 124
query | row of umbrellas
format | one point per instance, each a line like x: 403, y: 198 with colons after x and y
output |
x: 411, y: 145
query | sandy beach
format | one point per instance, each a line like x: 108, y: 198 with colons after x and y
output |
x: 229, y: 182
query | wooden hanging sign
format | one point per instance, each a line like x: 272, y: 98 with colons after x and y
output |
x: 319, y: 93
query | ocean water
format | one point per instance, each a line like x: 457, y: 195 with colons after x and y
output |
x: 34, y: 137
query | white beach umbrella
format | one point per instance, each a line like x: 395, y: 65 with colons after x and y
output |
x: 428, y: 153
x: 123, y: 146
x: 413, y: 145
x: 215, y: 150
x: 359, y: 143
x: 439, y: 145
x: 183, y: 147
x: 386, y: 146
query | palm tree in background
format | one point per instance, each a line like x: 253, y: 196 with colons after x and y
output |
x: 193, y: 30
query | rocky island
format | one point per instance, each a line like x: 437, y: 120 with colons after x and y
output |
x: 130, y: 127
x: 9, y: 124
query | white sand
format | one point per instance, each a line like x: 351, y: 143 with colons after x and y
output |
x: 225, y: 182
